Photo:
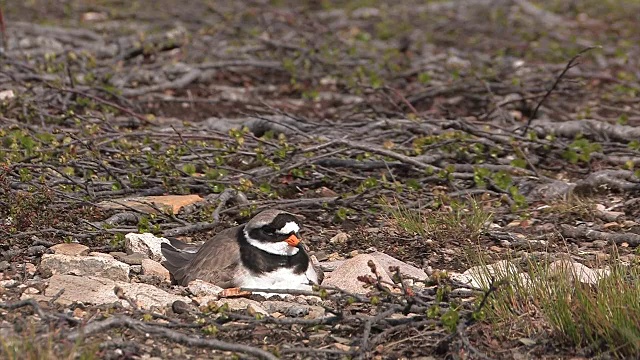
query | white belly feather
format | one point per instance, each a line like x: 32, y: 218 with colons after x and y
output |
x: 281, y: 279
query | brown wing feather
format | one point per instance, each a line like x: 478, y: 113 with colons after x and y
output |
x: 215, y: 262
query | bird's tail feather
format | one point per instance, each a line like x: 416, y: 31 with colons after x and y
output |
x: 178, y: 255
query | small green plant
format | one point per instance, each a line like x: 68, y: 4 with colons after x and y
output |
x: 580, y: 150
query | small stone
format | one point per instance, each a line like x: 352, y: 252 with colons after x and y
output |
x: 339, y: 238
x: 36, y: 250
x: 71, y: 249
x: 297, y: 311
x: 31, y: 291
x: 495, y: 249
x: 203, y: 288
x: 320, y: 256
x: 326, y: 192
x: 353, y: 253
x: 180, y: 307
x: 134, y: 259
x: 4, y: 265
x: 335, y: 256
x: 150, y: 267
x: 254, y: 310
x: 147, y: 244
x: 79, y: 313
x: 136, y: 269
x: 30, y: 269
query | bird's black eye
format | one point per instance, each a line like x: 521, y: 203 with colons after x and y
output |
x: 269, y: 231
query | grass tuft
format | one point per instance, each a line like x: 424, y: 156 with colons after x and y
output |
x: 600, y: 318
x: 457, y: 221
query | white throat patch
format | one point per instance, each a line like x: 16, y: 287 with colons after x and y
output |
x: 276, y: 248
x: 289, y: 228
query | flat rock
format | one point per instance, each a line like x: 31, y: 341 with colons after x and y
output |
x: 110, y: 268
x: 145, y: 243
x: 150, y: 267
x: 71, y: 249
x: 203, y: 288
x: 345, y: 277
x: 98, y: 291
x: 405, y: 269
x: 135, y: 258
x: 173, y: 203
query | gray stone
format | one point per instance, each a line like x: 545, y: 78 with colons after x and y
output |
x: 98, y: 291
x: 147, y: 244
x: 134, y: 259
x: 4, y: 265
x: 345, y: 277
x: 52, y: 264
x: 71, y: 249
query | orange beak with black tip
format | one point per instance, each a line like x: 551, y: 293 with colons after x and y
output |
x: 292, y: 240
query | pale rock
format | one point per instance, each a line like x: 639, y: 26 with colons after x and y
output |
x: 171, y: 203
x: 203, y: 288
x: 8, y: 283
x: 99, y: 291
x: 238, y: 303
x: 254, y: 310
x: 7, y: 94
x: 53, y: 264
x: 70, y: 249
x: 134, y: 259
x: 573, y: 271
x: 339, y: 238
x: 147, y: 244
x: 480, y: 276
x: 150, y: 267
x: 30, y: 269
x: 31, y: 291
x: 405, y: 269
x: 345, y: 276
x: 102, y: 255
